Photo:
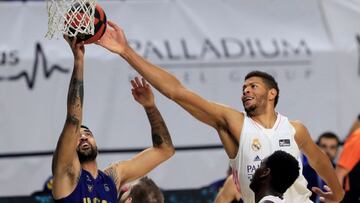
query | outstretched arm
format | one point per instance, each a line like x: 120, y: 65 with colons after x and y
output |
x: 65, y: 163
x: 320, y: 163
x: 225, y: 120
x: 114, y: 40
x: 162, y: 148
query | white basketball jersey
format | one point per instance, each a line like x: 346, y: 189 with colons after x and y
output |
x: 256, y: 143
x: 273, y: 199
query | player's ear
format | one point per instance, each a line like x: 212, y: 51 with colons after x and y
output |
x: 272, y: 94
x: 265, y: 173
x: 128, y: 200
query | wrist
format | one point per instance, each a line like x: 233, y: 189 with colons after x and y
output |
x: 78, y: 59
x: 125, y: 52
x: 78, y: 65
x: 149, y: 107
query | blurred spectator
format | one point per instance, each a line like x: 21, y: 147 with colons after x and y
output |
x: 48, y: 185
x: 225, y: 189
x: 348, y: 166
x: 143, y: 190
x: 47, y: 188
x: 228, y: 193
x: 329, y: 144
x: 217, y: 185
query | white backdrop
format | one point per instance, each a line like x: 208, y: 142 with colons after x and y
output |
x: 309, y: 46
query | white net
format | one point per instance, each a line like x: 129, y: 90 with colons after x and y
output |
x: 70, y: 17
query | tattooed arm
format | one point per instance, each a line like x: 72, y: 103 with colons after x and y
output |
x: 162, y: 149
x: 65, y: 164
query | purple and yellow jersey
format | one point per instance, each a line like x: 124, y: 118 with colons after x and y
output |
x: 90, y: 190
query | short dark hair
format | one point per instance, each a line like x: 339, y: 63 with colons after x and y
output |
x: 284, y: 170
x: 269, y: 81
x: 146, y: 191
x: 329, y: 135
x: 84, y: 126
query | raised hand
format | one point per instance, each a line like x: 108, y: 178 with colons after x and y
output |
x: 326, y: 196
x: 78, y: 49
x: 113, y: 39
x: 142, y: 92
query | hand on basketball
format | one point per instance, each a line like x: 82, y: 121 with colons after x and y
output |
x: 326, y: 196
x: 113, y: 39
x: 78, y: 49
x: 142, y: 92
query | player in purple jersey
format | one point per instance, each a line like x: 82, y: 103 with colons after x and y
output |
x: 74, y: 166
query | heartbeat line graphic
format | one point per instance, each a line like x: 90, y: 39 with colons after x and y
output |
x: 30, y: 78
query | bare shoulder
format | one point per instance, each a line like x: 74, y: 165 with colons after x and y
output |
x: 234, y: 120
x: 298, y: 125
x: 302, y: 136
x: 232, y: 113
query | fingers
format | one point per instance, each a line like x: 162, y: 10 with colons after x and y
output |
x: 145, y: 84
x: 324, y: 196
x: 66, y: 38
x: 73, y: 41
x: 133, y: 84
x: 317, y: 191
x: 113, y: 25
x: 327, y: 188
x: 79, y: 45
x: 138, y: 83
x: 143, y: 81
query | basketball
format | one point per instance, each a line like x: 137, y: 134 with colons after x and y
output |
x: 79, y: 18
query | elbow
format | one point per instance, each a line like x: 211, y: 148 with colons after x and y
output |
x: 341, y: 195
x: 169, y: 152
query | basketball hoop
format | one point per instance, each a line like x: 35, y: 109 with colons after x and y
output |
x: 70, y: 17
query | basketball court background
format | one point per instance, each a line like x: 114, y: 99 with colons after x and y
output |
x: 311, y: 47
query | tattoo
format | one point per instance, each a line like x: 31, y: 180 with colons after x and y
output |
x: 76, y: 93
x: 73, y: 120
x: 78, y: 178
x: 111, y: 172
x: 156, y: 139
x: 159, y: 132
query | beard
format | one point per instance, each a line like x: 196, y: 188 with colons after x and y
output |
x: 255, y: 184
x: 250, y: 110
x: 87, y: 155
x: 253, y: 109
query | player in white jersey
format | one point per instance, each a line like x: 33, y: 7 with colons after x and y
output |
x: 275, y: 175
x: 259, y: 96
x: 256, y: 143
